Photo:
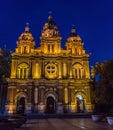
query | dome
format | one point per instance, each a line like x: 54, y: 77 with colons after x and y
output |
x: 50, y: 29
x: 26, y: 35
x: 73, y: 37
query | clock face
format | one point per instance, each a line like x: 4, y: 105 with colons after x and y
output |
x: 51, y: 70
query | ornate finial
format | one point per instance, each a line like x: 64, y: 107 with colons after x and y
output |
x: 73, y: 29
x: 27, y: 27
x: 50, y: 17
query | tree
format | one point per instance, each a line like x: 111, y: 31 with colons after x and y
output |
x: 5, y: 63
x: 103, y: 90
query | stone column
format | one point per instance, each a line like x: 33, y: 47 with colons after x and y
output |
x: 66, y: 99
x: 36, y: 98
x: 69, y: 98
x: 60, y: 100
x: 64, y: 70
x: 33, y: 69
x: 29, y: 103
x: 37, y: 70
x: 66, y: 95
x: 89, y: 106
x: 13, y: 69
x: 72, y: 96
x: 70, y: 68
x: 60, y: 70
x: 42, y: 94
x: 41, y: 105
x: 42, y: 68
x: 71, y: 102
x: 10, y: 106
x: 71, y: 72
x: 86, y: 65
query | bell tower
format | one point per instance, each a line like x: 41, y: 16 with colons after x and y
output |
x: 74, y: 46
x: 74, y: 43
x: 25, y: 47
x: 25, y: 43
x: 50, y: 38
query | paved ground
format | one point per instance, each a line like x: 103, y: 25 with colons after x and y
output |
x: 65, y: 124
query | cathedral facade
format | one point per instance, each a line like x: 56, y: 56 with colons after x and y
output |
x: 49, y: 79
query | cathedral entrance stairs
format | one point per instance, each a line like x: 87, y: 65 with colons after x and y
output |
x: 45, y: 116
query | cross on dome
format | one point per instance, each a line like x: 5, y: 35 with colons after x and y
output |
x: 73, y: 29
x: 27, y: 27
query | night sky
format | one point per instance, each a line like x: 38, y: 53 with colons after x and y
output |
x: 93, y: 20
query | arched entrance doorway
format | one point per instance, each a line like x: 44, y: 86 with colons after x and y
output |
x: 50, y: 104
x: 21, y: 105
x: 80, y: 103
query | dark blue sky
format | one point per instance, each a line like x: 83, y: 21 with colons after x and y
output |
x: 93, y: 20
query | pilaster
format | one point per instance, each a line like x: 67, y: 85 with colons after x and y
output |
x: 41, y: 105
x: 36, y: 98
x: 60, y: 100
x: 60, y: 69
x: 13, y: 69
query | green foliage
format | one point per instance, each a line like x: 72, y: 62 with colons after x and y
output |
x: 5, y: 63
x: 103, y: 90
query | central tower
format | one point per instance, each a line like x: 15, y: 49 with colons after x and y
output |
x: 50, y: 38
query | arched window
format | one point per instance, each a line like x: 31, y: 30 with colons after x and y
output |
x: 78, y: 71
x: 23, y: 71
